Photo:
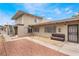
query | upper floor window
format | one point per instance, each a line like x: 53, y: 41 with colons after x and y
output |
x: 35, y: 20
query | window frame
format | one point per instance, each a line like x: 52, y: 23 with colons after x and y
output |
x: 36, y: 29
x: 50, y: 29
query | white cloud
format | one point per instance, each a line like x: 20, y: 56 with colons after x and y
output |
x: 57, y: 11
x: 49, y: 18
x: 76, y: 13
x: 68, y: 12
x: 67, y: 9
x: 32, y: 8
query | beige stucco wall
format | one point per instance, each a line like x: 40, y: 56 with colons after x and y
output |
x: 63, y: 28
x: 41, y: 32
x: 29, y: 20
x: 20, y: 30
x: 63, y: 31
x: 18, y: 21
x: 26, y: 20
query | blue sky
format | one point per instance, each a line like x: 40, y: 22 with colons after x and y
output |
x: 50, y: 11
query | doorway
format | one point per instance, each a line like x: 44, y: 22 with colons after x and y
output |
x: 16, y: 30
x: 73, y: 33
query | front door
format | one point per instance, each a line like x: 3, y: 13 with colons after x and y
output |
x: 29, y: 30
x: 73, y: 33
x: 16, y: 30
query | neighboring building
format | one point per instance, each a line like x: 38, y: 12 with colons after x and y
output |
x: 68, y: 27
x: 1, y: 27
x: 9, y: 29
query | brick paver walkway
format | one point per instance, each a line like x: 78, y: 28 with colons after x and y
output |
x: 26, y: 48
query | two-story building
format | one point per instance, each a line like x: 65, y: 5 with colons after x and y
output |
x: 23, y: 20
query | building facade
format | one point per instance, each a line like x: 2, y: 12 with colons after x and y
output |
x: 23, y: 20
x: 27, y: 23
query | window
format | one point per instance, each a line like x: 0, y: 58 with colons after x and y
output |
x: 35, y: 21
x: 59, y: 29
x: 36, y: 29
x: 29, y: 30
x: 50, y: 29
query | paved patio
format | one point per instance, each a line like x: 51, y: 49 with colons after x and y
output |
x: 48, y: 40
x: 65, y: 47
x: 25, y: 47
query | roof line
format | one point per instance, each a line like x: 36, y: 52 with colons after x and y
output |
x: 58, y: 21
x: 20, y: 13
